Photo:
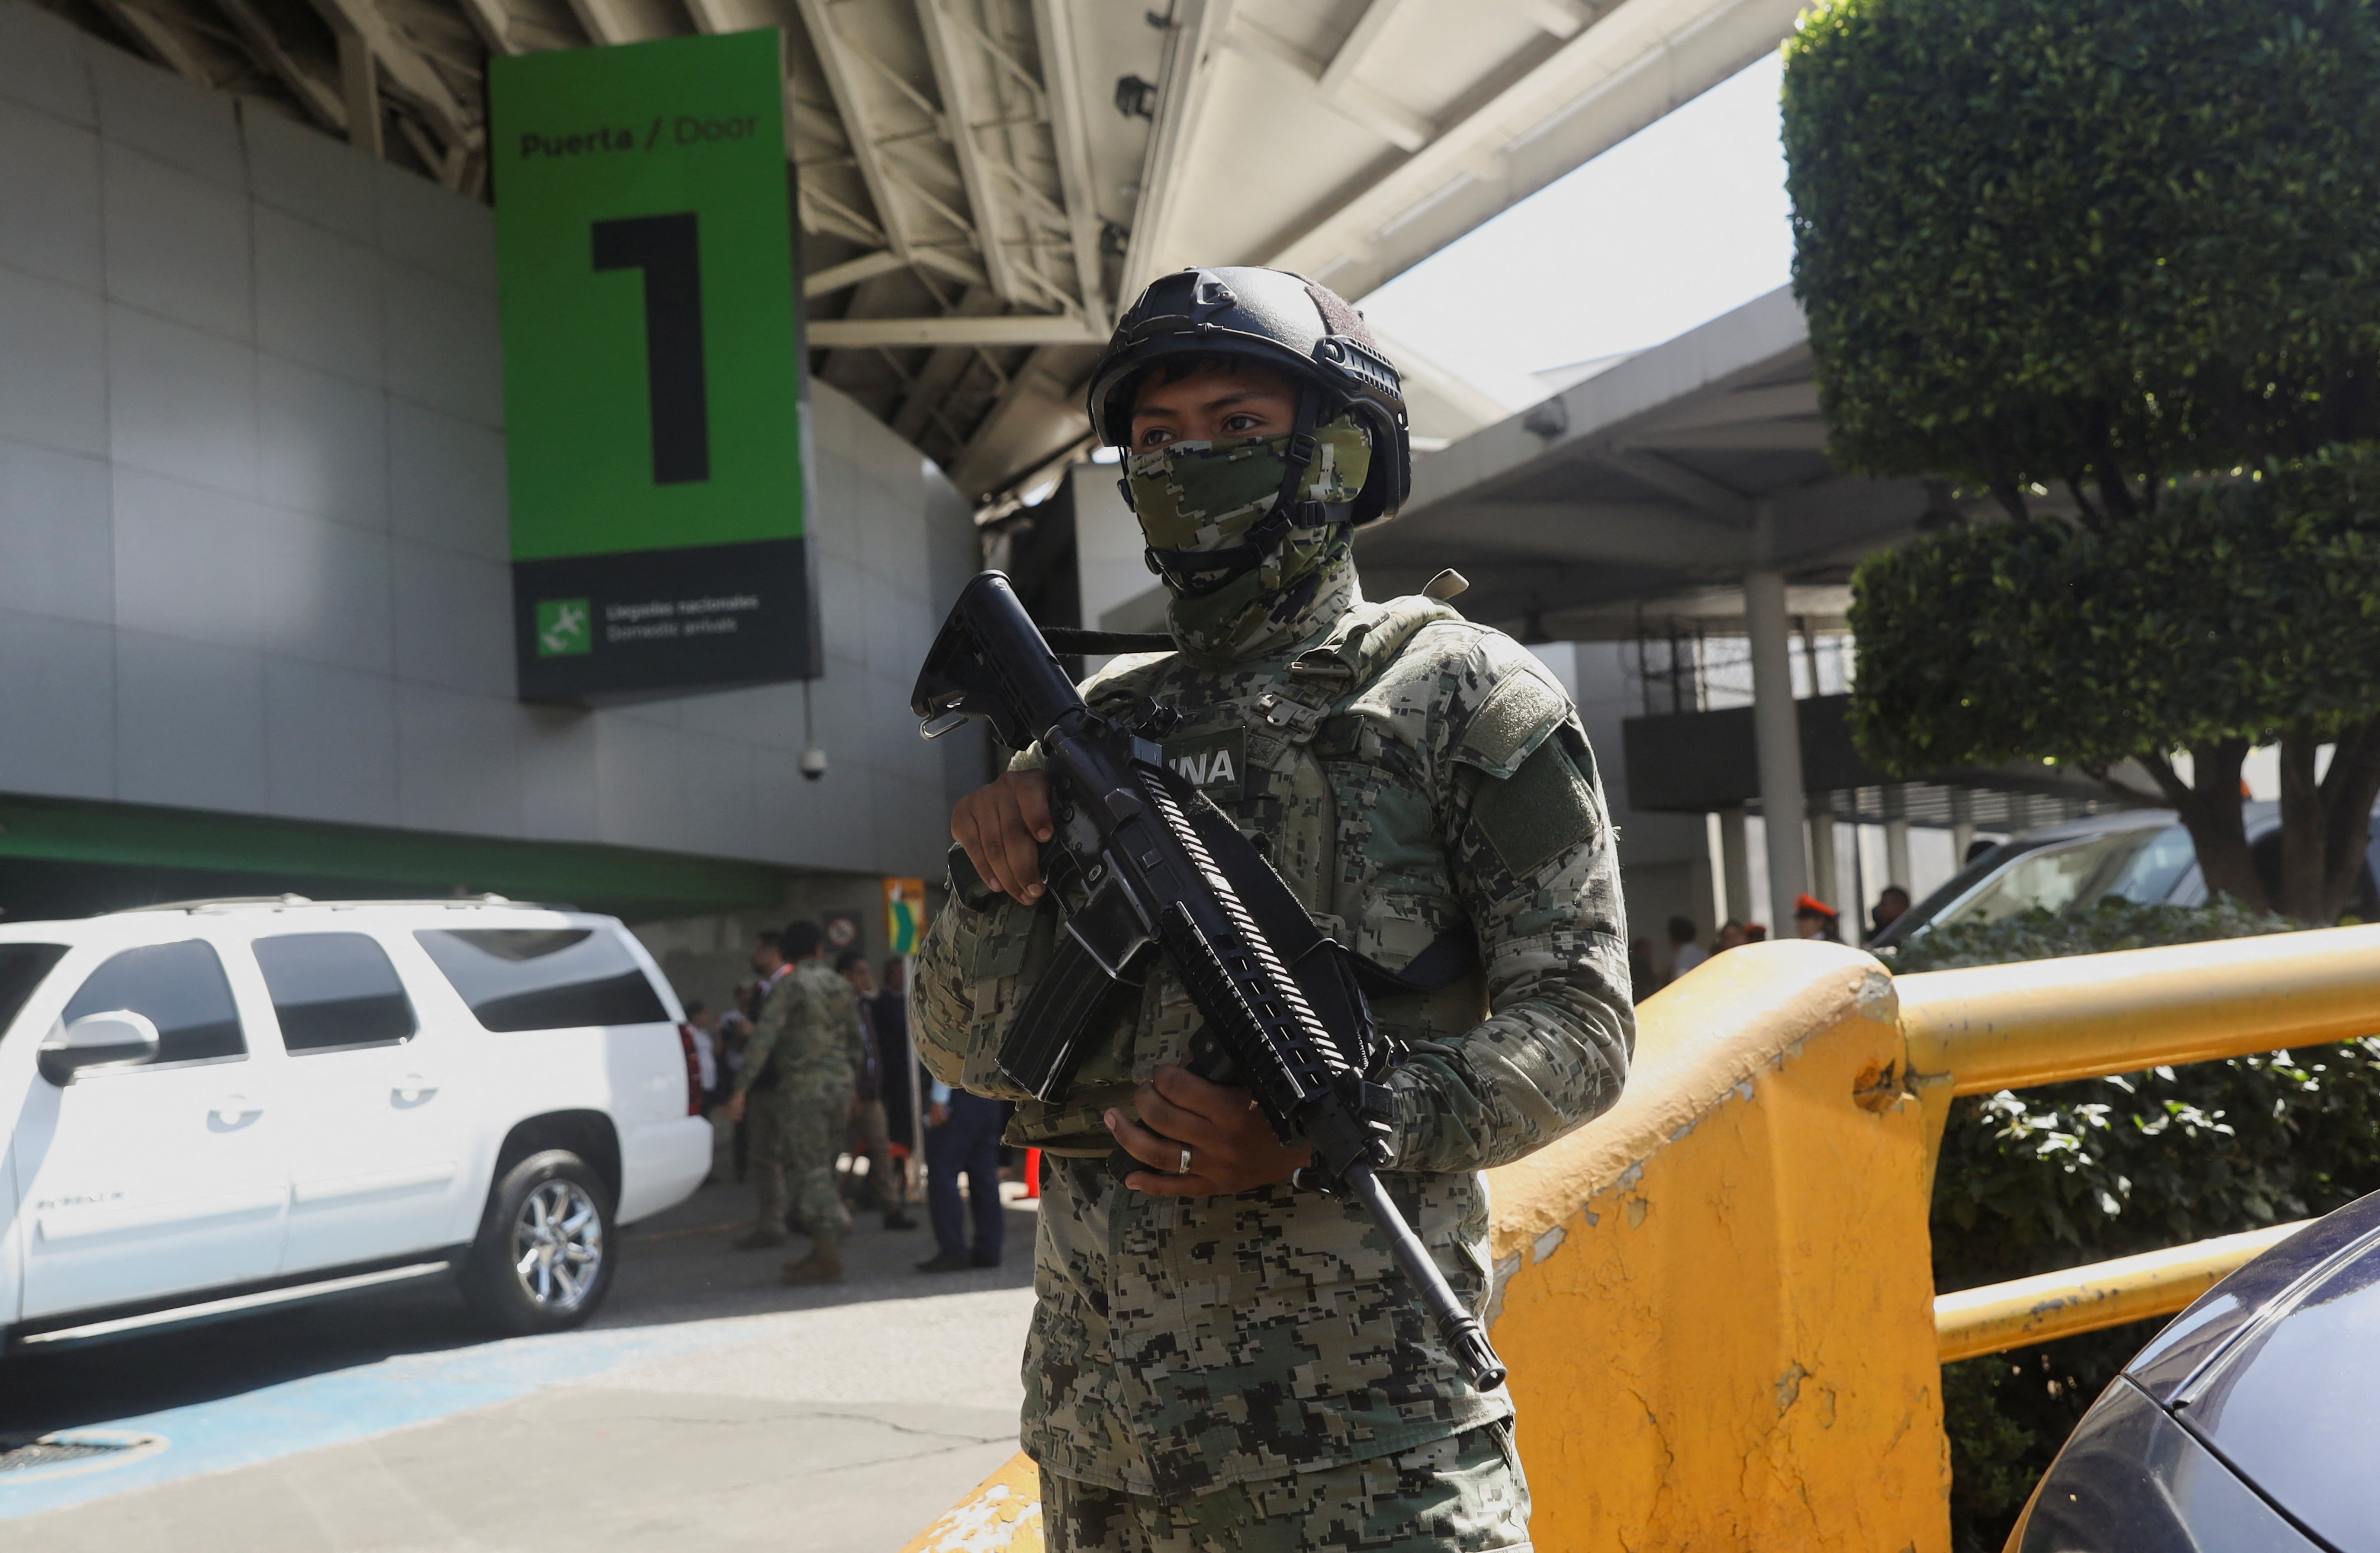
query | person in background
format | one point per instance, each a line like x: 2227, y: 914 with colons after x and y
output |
x: 868, y: 1136
x: 759, y: 1142
x: 1642, y: 980
x: 808, y: 1036
x: 1755, y: 932
x: 701, y: 1028
x: 1685, y: 947
x: 1891, y: 906
x: 1813, y: 918
x: 900, y: 1070
x: 734, y: 1029
x: 1731, y: 935
x: 963, y: 1138
x: 703, y: 1041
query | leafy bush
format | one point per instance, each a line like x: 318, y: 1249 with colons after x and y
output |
x: 2079, y: 1173
x: 2052, y: 935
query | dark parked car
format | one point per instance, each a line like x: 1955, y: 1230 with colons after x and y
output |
x: 2249, y: 1426
x: 2134, y: 855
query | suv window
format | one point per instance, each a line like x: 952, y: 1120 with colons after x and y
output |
x: 333, y: 991
x: 22, y: 967
x: 543, y: 979
x: 180, y: 987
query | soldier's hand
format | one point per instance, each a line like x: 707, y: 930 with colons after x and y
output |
x: 1002, y: 825
x: 1232, y: 1146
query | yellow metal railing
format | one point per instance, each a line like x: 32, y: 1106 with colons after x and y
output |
x: 1715, y: 1299
x: 2006, y: 1026
x: 1973, y: 1322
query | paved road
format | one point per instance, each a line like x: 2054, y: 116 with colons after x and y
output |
x: 708, y: 1407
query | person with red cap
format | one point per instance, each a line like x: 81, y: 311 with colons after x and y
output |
x: 1813, y: 918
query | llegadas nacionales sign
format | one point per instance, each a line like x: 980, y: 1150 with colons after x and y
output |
x: 652, y: 369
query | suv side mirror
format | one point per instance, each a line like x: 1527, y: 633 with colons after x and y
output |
x: 117, y: 1039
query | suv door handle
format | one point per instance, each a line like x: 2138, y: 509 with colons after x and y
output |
x: 412, y: 1089
x: 234, y: 1110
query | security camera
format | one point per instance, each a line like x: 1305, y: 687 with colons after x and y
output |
x: 813, y: 763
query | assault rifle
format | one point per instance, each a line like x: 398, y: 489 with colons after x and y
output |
x: 1143, y: 866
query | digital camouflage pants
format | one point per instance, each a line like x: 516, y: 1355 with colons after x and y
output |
x: 1463, y: 1494
x: 796, y: 1134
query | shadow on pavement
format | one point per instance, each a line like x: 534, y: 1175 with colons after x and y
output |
x: 677, y: 1266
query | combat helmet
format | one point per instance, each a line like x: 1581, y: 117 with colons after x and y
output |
x: 1305, y: 332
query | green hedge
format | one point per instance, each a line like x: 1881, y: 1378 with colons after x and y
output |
x: 2247, y: 608
x: 2073, y: 1173
x: 2041, y: 242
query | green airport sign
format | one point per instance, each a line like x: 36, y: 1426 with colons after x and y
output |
x: 652, y: 368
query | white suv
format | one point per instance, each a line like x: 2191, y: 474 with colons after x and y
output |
x: 230, y: 1106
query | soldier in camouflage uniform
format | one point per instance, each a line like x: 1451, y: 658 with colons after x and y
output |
x: 808, y: 1034
x: 1220, y: 1359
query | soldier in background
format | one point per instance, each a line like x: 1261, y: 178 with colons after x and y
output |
x: 807, y: 1035
x: 1220, y: 1359
x: 886, y: 1189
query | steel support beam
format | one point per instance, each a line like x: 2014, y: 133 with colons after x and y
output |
x: 1062, y: 84
x: 1013, y: 328
x: 1777, y: 737
x: 851, y: 271
x: 961, y: 113
x: 1358, y: 104
x: 324, y: 101
x: 404, y: 71
x: 1621, y: 72
x: 1196, y: 37
x: 842, y: 72
x: 359, y: 81
x: 1678, y: 482
x: 1360, y: 43
x: 163, y: 42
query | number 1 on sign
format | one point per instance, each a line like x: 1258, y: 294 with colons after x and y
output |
x: 669, y: 251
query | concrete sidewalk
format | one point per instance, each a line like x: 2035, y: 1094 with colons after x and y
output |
x: 841, y: 1424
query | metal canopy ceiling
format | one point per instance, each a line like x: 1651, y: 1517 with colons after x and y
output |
x: 981, y: 179
x: 1637, y: 492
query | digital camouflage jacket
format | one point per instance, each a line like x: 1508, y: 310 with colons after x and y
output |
x: 809, y: 1030
x: 1420, y: 781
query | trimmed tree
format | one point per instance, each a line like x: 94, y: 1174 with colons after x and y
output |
x: 2245, y: 613
x: 2065, y: 255
x: 2081, y: 248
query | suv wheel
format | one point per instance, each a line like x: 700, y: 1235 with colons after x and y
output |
x: 543, y: 1259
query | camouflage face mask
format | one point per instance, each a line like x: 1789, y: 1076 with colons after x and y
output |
x: 1204, y: 495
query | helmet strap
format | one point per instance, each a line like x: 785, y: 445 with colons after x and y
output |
x: 1192, y: 573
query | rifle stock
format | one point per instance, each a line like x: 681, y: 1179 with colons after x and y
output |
x: 1141, y: 865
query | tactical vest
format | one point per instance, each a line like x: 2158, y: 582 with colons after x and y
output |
x: 1333, y: 795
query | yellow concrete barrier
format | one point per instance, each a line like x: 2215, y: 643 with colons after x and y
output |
x: 1001, y: 1515
x: 1997, y: 1316
x: 1717, y: 1299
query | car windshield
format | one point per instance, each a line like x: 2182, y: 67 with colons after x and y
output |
x: 2138, y: 865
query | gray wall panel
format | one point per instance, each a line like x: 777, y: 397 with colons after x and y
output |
x: 252, y: 495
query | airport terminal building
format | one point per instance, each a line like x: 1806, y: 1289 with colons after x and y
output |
x: 256, y: 625
x: 261, y: 625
